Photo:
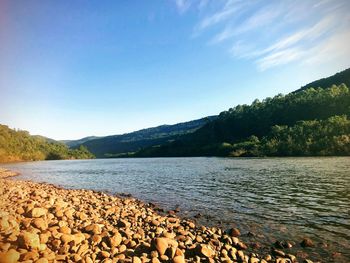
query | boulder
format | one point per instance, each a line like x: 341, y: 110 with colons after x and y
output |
x: 161, y: 245
x: 38, y: 212
x: 11, y: 256
x: 29, y: 240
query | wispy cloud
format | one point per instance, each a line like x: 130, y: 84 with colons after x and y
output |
x: 275, y: 33
x: 182, y: 5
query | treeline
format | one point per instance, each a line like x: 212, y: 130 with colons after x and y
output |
x: 308, y: 122
x: 21, y: 146
x: 306, y: 138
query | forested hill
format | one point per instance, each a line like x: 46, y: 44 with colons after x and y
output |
x: 21, y: 146
x: 111, y: 146
x: 75, y: 143
x: 308, y: 122
x: 336, y: 79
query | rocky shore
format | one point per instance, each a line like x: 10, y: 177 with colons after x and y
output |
x: 43, y: 223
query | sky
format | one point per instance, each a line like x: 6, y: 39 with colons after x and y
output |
x: 70, y: 69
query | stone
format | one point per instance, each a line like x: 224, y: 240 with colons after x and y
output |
x: 42, y: 260
x: 40, y: 223
x: 31, y: 255
x: 94, y: 228
x: 307, y: 242
x: 78, y: 237
x: 155, y: 260
x: 242, y: 246
x: 65, y: 230
x: 105, y: 254
x: 4, y: 224
x: 38, y: 212
x: 11, y: 256
x: 155, y: 222
x: 29, y: 240
x: 278, y: 253
x: 116, y: 239
x: 66, y: 238
x: 234, y: 232
x: 96, y: 239
x: 205, y: 250
x: 161, y: 245
x: 179, y: 259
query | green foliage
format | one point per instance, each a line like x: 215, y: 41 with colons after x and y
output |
x: 305, y: 138
x: 247, y: 130
x: 21, y: 146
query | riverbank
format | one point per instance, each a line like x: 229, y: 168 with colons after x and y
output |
x: 44, y: 223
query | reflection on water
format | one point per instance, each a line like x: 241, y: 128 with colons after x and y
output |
x: 276, y: 198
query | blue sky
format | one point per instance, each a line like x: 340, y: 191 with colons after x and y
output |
x: 70, y: 69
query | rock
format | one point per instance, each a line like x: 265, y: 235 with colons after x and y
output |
x: 179, y: 259
x: 29, y: 240
x: 94, y: 228
x: 105, y: 254
x: 65, y: 230
x: 38, y: 212
x: 31, y: 255
x: 155, y: 260
x: 283, y: 244
x: 123, y: 223
x: 234, y: 232
x: 155, y: 222
x: 205, y: 250
x: 11, y: 256
x: 161, y: 245
x: 268, y: 258
x: 4, y: 224
x: 66, y: 238
x: 191, y: 225
x: 96, y: 239
x: 40, y: 223
x: 279, y: 253
x: 42, y: 260
x: 115, y: 240
x: 292, y: 258
x: 307, y: 242
x: 242, y: 246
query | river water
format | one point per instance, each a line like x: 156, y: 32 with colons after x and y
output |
x: 272, y: 198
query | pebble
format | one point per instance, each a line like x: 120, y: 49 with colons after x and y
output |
x: 307, y: 242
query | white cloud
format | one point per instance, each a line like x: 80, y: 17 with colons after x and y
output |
x: 275, y: 33
x: 279, y: 58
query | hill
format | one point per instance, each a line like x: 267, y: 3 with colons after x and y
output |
x: 21, y: 146
x: 342, y: 77
x: 311, y: 121
x: 75, y: 143
x: 115, y: 145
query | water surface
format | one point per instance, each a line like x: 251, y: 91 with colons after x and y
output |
x: 274, y: 198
